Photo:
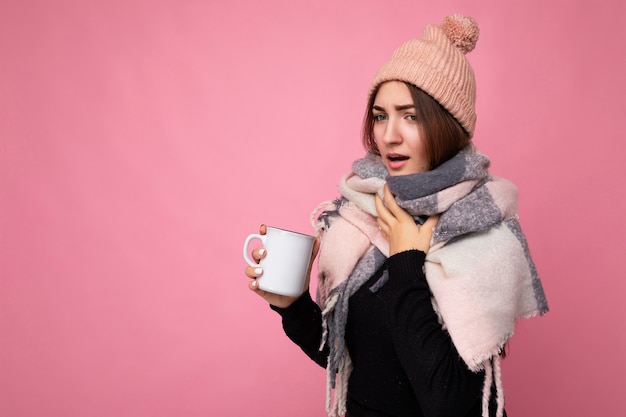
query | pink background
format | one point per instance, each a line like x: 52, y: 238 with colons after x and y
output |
x: 141, y: 141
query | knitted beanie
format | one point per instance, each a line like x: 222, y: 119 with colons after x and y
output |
x: 436, y: 64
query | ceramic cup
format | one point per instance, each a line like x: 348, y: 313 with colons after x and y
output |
x: 287, y: 261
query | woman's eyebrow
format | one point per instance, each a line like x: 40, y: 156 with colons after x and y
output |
x: 398, y: 108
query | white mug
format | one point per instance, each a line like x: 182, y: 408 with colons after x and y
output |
x: 286, y: 262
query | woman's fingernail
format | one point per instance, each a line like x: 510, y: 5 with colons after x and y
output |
x: 254, y: 284
x: 258, y: 271
x: 261, y: 252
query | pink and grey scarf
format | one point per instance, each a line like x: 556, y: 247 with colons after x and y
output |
x: 478, y: 268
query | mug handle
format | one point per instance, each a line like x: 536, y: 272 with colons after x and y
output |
x: 246, y: 247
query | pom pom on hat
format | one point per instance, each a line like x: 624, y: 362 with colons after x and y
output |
x: 436, y: 64
x: 462, y: 31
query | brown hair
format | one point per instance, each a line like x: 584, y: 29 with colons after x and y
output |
x: 443, y: 135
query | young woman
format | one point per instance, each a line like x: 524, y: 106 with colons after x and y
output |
x: 423, y: 267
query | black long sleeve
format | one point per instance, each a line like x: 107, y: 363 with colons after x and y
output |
x: 302, y: 322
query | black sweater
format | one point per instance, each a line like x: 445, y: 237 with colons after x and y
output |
x: 404, y: 363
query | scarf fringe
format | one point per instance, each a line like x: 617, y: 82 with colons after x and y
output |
x: 336, y: 406
x: 317, y: 224
x: 477, y: 362
x: 330, y: 305
x: 493, y: 371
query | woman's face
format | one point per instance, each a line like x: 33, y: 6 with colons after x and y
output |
x: 396, y: 131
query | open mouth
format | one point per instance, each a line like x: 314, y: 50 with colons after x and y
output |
x: 396, y: 157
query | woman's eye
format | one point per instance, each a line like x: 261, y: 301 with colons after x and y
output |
x: 380, y: 117
x: 411, y: 117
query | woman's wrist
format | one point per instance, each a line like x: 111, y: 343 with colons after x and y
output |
x: 303, y: 299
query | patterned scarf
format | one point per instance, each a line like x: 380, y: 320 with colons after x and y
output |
x: 478, y: 268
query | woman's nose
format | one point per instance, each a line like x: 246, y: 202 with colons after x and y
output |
x: 391, y: 134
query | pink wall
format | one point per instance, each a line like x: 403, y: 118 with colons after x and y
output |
x: 141, y: 141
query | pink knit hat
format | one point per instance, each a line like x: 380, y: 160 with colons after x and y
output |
x: 436, y: 63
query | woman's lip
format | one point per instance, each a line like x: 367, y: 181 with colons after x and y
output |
x: 395, y: 156
x: 396, y: 164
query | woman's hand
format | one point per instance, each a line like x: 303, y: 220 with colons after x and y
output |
x: 282, y: 301
x: 399, y: 228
